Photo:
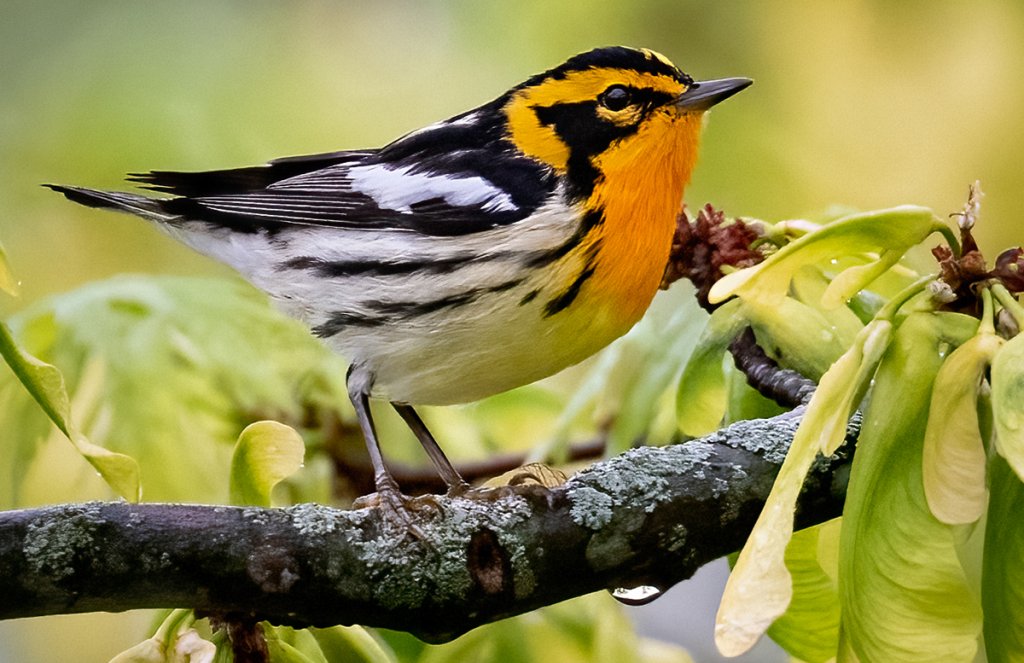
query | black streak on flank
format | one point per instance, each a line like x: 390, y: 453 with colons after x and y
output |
x: 529, y: 297
x: 343, y: 268
x: 385, y: 313
x: 568, y: 296
x: 562, y: 301
x: 339, y: 321
x: 591, y: 220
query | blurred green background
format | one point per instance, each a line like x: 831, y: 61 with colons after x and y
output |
x: 862, y: 103
x: 858, y: 103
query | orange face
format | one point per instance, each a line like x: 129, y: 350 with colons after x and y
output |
x: 627, y: 148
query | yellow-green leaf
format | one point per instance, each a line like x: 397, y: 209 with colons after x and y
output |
x: 760, y: 588
x: 352, y: 643
x: 954, y: 460
x: 809, y: 629
x: 648, y: 360
x: 1003, y: 574
x: 843, y: 386
x: 266, y: 453
x: 904, y: 594
x: 282, y: 652
x: 895, y: 229
x: 1008, y: 402
x: 852, y: 280
x: 799, y: 336
x: 702, y: 395
x: 809, y: 286
x: 46, y: 385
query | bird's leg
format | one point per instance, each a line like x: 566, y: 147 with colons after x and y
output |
x: 391, y: 500
x: 456, y: 484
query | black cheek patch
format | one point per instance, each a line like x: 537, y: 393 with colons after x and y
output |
x: 586, y: 134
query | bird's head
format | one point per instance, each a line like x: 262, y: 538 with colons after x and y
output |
x: 608, y: 101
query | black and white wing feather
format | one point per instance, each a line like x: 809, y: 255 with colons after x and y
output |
x: 449, y: 179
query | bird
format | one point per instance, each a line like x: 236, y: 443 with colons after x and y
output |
x: 469, y: 257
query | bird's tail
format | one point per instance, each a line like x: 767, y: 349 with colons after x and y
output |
x: 147, y: 208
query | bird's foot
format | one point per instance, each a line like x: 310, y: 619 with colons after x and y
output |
x: 398, y: 510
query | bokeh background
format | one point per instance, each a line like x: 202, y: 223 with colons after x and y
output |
x: 857, y: 103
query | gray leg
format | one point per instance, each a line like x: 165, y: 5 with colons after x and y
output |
x: 391, y: 499
x: 456, y: 484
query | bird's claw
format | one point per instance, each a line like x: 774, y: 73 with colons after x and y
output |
x: 399, y: 510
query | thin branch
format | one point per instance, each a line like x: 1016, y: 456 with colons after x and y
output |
x: 784, y: 386
x: 354, y: 468
x: 651, y: 516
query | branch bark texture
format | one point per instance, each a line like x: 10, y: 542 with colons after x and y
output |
x: 651, y: 516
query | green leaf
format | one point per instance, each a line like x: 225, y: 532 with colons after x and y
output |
x: 352, y: 643
x: 702, y: 395
x: 649, y: 357
x: 809, y: 286
x: 1003, y: 573
x: 852, y: 280
x: 954, y: 460
x: 903, y: 591
x: 282, y: 652
x: 614, y: 639
x: 843, y: 386
x: 745, y: 402
x: 759, y: 589
x: 585, y: 629
x: 46, y: 385
x: 1008, y: 402
x: 266, y: 453
x: 188, y: 362
x: 809, y: 629
x: 797, y: 335
x: 889, y: 231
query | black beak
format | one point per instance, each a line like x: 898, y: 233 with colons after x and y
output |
x: 702, y: 95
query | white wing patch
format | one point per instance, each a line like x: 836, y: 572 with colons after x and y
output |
x: 399, y: 189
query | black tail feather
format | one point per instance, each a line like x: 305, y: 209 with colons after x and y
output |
x: 132, y: 203
x: 87, y: 197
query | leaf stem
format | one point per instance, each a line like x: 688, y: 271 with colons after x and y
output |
x: 1008, y: 302
x: 889, y: 310
x: 951, y: 238
x: 987, y: 325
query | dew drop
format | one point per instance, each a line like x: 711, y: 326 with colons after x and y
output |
x: 639, y: 595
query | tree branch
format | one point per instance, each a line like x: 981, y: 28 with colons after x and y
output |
x: 651, y: 516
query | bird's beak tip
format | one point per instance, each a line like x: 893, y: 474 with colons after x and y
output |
x: 702, y: 95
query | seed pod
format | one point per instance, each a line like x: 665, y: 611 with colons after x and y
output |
x: 1008, y: 403
x: 953, y: 460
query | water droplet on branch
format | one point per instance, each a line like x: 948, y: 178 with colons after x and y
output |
x: 639, y: 595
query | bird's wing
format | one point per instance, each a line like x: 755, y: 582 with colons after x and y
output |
x: 241, y: 180
x: 452, y: 192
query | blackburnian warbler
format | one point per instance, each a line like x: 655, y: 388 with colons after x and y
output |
x: 474, y: 255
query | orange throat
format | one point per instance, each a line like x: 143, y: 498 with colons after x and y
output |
x: 641, y: 195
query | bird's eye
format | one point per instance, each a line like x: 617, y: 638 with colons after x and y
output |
x: 615, y: 98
